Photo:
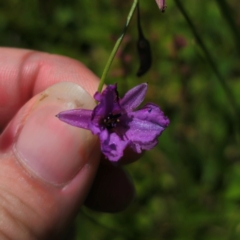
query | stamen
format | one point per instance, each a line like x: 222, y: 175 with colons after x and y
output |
x: 111, y: 120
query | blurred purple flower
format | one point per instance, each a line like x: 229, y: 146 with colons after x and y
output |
x: 161, y: 4
x: 117, y: 124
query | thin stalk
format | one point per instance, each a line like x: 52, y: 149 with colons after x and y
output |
x: 214, y: 67
x: 116, y: 46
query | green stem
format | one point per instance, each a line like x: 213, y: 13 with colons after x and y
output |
x: 214, y: 67
x: 117, y: 44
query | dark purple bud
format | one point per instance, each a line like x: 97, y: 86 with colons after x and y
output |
x: 144, y: 52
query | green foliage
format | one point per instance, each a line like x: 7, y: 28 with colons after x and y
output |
x: 189, y: 186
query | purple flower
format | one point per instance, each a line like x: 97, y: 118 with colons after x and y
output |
x: 117, y: 124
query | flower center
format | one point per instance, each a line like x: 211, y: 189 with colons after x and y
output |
x: 111, y: 120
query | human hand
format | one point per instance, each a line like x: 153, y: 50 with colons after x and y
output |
x: 47, y: 167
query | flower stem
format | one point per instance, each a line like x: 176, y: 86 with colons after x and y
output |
x: 116, y: 46
x: 215, y: 69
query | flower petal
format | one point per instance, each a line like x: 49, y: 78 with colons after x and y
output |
x: 76, y: 117
x: 108, y: 102
x: 143, y: 132
x: 139, y: 147
x: 146, y: 126
x: 98, y: 96
x: 134, y: 97
x: 152, y: 113
x: 112, y: 145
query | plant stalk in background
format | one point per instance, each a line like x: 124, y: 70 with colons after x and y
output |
x: 215, y: 69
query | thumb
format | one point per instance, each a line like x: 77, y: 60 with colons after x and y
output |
x: 47, y: 167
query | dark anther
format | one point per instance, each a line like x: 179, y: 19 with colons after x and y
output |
x: 111, y: 120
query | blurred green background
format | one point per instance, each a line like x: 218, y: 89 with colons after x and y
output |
x: 188, y: 187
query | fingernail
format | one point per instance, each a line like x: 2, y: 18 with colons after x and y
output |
x: 53, y: 150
